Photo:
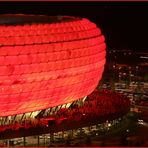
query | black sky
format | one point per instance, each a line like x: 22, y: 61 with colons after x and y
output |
x: 125, y: 25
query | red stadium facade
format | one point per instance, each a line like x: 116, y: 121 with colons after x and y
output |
x: 48, y: 63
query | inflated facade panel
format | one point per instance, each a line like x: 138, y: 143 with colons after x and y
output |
x: 48, y: 64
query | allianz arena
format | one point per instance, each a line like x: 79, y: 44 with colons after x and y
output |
x: 48, y: 64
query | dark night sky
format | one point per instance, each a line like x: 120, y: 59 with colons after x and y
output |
x: 125, y: 25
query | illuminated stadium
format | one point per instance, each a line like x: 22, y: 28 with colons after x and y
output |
x: 50, y: 67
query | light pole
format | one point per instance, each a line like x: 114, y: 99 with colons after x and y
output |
x: 130, y: 77
x: 136, y: 72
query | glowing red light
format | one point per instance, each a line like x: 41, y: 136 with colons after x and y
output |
x: 46, y: 65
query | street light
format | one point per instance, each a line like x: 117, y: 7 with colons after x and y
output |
x: 136, y: 72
